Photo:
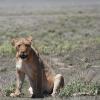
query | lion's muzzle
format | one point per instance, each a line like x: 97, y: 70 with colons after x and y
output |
x: 23, y: 55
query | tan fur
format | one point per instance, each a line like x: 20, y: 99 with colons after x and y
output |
x: 41, y: 76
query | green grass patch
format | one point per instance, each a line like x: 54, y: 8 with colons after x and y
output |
x: 6, y: 49
x: 80, y: 87
x: 9, y: 89
x: 53, y: 43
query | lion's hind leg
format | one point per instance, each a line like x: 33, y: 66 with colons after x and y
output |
x: 30, y: 90
x: 58, y: 84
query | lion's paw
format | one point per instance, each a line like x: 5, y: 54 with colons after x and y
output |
x: 15, y: 94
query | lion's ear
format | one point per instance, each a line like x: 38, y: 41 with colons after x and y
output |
x: 13, y: 41
x: 30, y: 39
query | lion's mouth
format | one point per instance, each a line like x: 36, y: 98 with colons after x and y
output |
x: 23, y: 56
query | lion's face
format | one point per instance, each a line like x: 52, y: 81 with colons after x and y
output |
x: 23, y: 47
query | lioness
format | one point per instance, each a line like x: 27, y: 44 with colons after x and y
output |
x: 41, y: 76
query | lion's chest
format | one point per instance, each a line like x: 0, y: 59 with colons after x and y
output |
x: 19, y: 64
x: 27, y: 68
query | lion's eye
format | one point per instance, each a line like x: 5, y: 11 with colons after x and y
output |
x: 19, y: 45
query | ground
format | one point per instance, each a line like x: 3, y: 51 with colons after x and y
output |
x: 66, y: 34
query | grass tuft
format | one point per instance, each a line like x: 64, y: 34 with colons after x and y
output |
x: 6, y: 49
x: 9, y: 90
x: 80, y: 88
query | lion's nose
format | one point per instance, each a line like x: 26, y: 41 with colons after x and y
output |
x: 22, y: 52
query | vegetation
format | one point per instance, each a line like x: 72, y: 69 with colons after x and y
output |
x: 11, y: 88
x: 8, y: 90
x: 75, y: 88
x: 80, y: 88
x: 6, y: 49
x: 58, y: 32
x: 53, y: 44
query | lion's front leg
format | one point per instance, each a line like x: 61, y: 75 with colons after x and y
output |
x: 20, y: 79
x: 35, y: 89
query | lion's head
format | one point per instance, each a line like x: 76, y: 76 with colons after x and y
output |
x: 23, y: 46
